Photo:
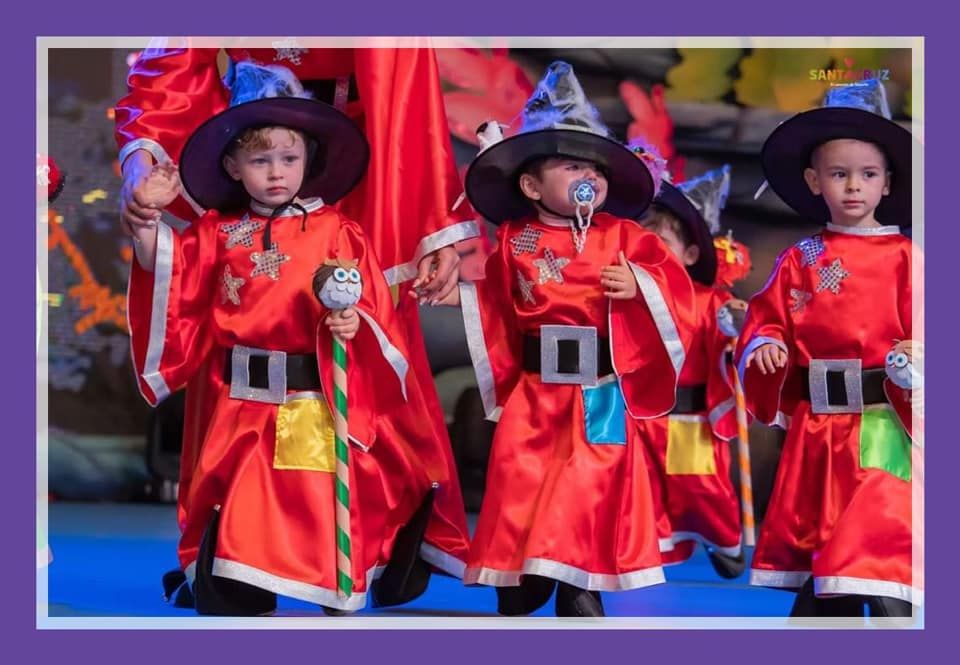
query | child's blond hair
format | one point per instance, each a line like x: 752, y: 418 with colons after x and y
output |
x: 258, y: 138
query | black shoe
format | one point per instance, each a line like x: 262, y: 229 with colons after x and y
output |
x: 406, y: 576
x: 881, y: 606
x: 219, y: 596
x: 532, y: 594
x: 334, y: 612
x: 575, y: 602
x: 728, y: 567
x: 175, y: 585
x: 185, y: 599
x: 807, y: 604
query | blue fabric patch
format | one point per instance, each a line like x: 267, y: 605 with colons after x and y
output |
x: 605, y: 414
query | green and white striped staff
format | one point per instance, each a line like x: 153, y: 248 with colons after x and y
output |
x: 338, y: 286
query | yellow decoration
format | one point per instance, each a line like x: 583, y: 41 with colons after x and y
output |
x: 725, y: 245
x: 689, y: 446
x: 94, y: 195
x: 305, y: 438
x: 702, y: 75
x: 782, y: 79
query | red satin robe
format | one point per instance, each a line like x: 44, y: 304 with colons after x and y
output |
x: 689, y: 454
x: 403, y: 205
x: 556, y: 504
x: 841, y: 506
x: 277, y: 511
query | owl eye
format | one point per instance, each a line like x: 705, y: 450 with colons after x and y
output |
x: 900, y: 360
x: 340, y: 275
x: 354, y: 275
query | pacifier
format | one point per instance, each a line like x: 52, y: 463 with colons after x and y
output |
x: 582, y: 194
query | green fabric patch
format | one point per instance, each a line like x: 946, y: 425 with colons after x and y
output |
x: 884, y: 444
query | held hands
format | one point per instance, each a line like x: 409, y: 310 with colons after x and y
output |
x: 146, y: 190
x: 344, y: 323
x: 452, y: 299
x: 768, y: 357
x: 160, y: 187
x: 437, y: 276
x: 618, y: 280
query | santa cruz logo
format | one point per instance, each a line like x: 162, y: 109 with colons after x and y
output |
x: 846, y: 72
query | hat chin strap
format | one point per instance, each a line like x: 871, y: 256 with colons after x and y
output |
x: 292, y: 203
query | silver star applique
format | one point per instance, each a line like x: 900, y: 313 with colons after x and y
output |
x: 831, y: 276
x: 799, y: 299
x: 551, y: 267
x: 229, y: 287
x: 241, y: 232
x: 525, y: 242
x: 268, y: 262
x: 811, y: 249
x: 526, y: 288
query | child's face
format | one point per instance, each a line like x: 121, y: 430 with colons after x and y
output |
x: 273, y: 175
x: 688, y: 254
x: 552, y: 187
x: 852, y: 177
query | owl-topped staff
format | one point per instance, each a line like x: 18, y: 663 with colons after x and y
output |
x: 338, y: 286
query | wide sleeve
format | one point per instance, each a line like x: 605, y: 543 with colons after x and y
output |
x: 650, y: 335
x: 768, y: 321
x: 169, y: 309
x: 909, y: 267
x: 493, y: 336
x: 377, y: 359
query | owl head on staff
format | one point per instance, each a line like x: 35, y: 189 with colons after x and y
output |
x: 337, y: 284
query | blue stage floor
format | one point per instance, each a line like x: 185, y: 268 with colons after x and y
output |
x: 108, y: 560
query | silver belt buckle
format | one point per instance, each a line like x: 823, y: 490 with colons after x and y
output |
x: 820, y: 398
x: 240, y: 388
x: 586, y: 338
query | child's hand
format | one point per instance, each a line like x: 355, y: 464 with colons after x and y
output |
x: 618, y: 280
x: 452, y: 299
x: 344, y: 323
x: 160, y: 188
x: 769, y: 357
x: 437, y: 275
x: 133, y: 210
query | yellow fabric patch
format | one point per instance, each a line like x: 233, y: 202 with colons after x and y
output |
x: 305, y: 438
x: 690, y: 448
